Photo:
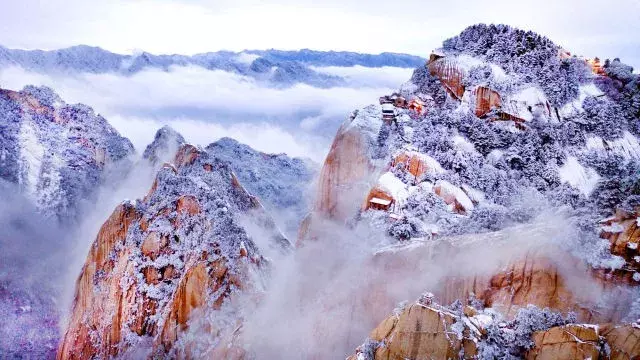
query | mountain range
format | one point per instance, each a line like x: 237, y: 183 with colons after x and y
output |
x: 276, y: 67
x: 488, y: 209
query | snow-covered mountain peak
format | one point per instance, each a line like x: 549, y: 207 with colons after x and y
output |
x: 164, y: 145
x: 55, y: 152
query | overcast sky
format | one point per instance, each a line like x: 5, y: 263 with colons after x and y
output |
x: 587, y: 27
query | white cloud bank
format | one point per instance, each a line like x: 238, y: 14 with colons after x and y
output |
x: 386, y: 76
x: 205, y: 105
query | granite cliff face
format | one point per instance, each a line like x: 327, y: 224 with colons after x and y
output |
x: 179, y: 251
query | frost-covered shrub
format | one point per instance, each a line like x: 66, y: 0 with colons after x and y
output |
x: 429, y: 85
x: 405, y: 228
x: 634, y: 311
x: 603, y: 118
x: 486, y: 217
x: 534, y: 58
x: 510, y: 340
x: 477, y: 75
x: 561, y: 79
x: 424, y: 203
x: 432, y: 139
x: 481, y: 134
x: 623, y: 86
x: 45, y: 95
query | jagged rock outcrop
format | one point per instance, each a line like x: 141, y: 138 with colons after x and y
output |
x: 587, y: 341
x: 566, y: 342
x: 623, y: 340
x: 529, y: 270
x: 157, y: 261
x: 55, y: 152
x: 418, y: 332
x: 164, y: 145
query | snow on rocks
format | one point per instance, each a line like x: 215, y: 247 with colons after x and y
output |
x: 522, y: 103
x: 626, y: 146
x: 417, y: 163
x: 463, y: 144
x: 180, y: 249
x: 613, y: 228
x: 454, y: 196
x: 579, y: 177
x: 389, y: 183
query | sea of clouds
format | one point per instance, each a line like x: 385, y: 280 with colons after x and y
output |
x: 205, y: 105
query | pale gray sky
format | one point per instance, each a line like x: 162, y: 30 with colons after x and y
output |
x: 586, y: 27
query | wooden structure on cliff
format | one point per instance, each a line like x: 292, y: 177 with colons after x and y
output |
x: 378, y: 200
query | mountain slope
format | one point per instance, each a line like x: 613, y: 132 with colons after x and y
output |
x: 55, y: 152
x: 279, y: 181
x: 178, y: 251
x: 510, y: 127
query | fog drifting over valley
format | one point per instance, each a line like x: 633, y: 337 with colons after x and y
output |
x: 205, y: 105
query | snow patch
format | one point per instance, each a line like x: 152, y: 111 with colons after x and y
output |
x: 528, y: 98
x: 393, y: 186
x: 475, y: 195
x: 579, y: 177
x: 627, y: 146
x: 246, y: 58
x: 31, y: 156
x: 498, y: 73
x: 432, y: 165
x: 575, y: 107
x: 614, y: 228
x: 494, y: 156
x: 466, y: 62
x: 463, y: 144
x: 448, y: 189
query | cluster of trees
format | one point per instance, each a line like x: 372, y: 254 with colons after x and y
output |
x: 622, y: 86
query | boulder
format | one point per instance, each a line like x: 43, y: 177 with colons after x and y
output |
x: 566, y: 342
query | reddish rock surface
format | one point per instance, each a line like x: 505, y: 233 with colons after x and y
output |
x: 623, y: 340
x: 566, y: 342
x: 625, y: 242
x: 343, y: 180
x: 429, y: 331
x: 155, y: 263
x: 412, y: 163
x: 346, y: 164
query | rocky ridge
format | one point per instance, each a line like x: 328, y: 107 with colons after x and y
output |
x: 177, y: 251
